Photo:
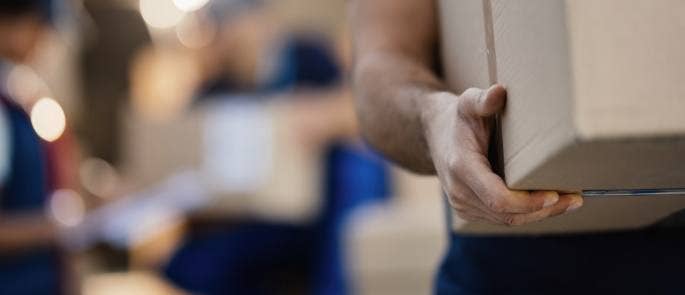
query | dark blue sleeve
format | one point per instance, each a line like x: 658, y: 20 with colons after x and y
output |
x: 315, y: 63
x: 26, y: 186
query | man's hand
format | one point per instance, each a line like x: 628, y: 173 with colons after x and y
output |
x: 405, y: 113
x: 458, y: 131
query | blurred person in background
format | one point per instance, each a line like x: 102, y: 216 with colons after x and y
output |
x: 253, y: 58
x: 30, y: 259
x: 118, y: 32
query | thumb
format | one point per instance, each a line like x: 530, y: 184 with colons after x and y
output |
x: 490, y: 101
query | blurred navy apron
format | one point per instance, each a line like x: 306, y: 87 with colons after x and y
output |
x: 648, y: 261
x: 30, y: 271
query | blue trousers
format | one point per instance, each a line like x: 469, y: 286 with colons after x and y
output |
x: 648, y: 261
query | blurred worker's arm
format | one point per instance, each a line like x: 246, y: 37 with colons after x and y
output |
x: 26, y: 231
x: 406, y: 112
x: 323, y: 116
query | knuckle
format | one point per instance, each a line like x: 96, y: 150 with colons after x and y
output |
x: 464, y: 107
x: 457, y: 201
x: 512, y: 220
x: 455, y: 206
x: 458, y: 205
x: 465, y: 216
x: 456, y: 172
x: 497, y: 205
x: 455, y: 162
x: 458, y: 166
x: 472, y: 92
x: 470, y: 218
x: 467, y: 100
x: 452, y: 197
x: 459, y: 194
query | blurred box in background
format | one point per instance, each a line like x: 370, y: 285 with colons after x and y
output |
x: 248, y: 158
x: 595, y: 99
x: 396, y: 248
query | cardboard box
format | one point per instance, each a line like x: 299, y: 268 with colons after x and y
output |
x: 247, y: 152
x: 596, y: 99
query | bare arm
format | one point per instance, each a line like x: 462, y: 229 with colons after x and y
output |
x: 394, y: 41
x: 26, y: 231
x: 406, y: 113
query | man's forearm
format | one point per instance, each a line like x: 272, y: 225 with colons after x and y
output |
x: 391, y: 101
x: 394, y: 42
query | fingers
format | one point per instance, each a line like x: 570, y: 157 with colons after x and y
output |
x: 468, y: 207
x: 480, y: 194
x: 483, y: 103
x: 566, y: 203
x: 470, y: 212
x: 493, y: 192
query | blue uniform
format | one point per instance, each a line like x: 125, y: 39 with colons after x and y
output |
x: 646, y: 261
x: 31, y: 271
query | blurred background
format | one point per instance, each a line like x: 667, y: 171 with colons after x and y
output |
x: 197, y: 147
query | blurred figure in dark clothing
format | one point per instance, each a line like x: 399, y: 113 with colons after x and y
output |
x: 121, y: 32
x: 29, y: 263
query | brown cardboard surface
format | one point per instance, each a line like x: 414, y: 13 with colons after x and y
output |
x: 629, y: 67
x: 156, y: 150
x: 467, y: 54
x: 532, y: 50
x: 596, y: 99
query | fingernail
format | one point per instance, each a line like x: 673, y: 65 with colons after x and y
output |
x: 575, y: 204
x: 550, y: 200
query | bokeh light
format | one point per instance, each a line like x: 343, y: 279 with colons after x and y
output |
x: 190, y: 5
x: 195, y: 33
x: 25, y: 85
x: 163, y: 83
x: 99, y: 177
x: 48, y: 119
x: 160, y: 14
x: 67, y: 207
